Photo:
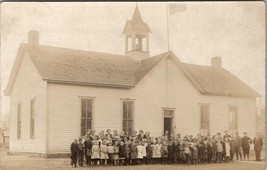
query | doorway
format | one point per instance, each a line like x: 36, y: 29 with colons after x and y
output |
x: 168, y: 121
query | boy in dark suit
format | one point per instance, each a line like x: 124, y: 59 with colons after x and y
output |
x: 73, y: 153
x: 246, y: 141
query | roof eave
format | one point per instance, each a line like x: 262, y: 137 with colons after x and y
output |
x: 14, y: 71
x: 89, y: 84
x: 230, y: 95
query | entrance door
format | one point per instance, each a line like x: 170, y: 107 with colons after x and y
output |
x: 167, y: 124
x: 168, y: 116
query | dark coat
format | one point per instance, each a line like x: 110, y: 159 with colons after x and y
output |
x: 133, y: 149
x: 170, y: 150
x: 127, y: 151
x: 121, y: 151
x: 200, y: 151
x: 245, y: 143
x: 224, y: 149
x: 149, y: 151
x: 176, y: 149
x: 74, y: 150
x: 80, y: 148
x: 87, y: 147
x: 238, y: 141
x: 257, y: 143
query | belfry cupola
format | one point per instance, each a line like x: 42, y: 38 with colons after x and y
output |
x: 136, y: 37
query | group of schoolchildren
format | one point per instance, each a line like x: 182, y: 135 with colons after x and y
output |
x: 140, y: 148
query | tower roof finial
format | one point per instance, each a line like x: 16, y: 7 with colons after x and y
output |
x: 137, y: 23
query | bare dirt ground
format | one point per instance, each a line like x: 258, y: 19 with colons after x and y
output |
x: 27, y: 162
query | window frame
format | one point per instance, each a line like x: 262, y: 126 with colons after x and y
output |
x: 32, y: 118
x: 233, y: 127
x: 205, y: 123
x: 19, y: 122
x: 86, y: 118
x: 132, y: 101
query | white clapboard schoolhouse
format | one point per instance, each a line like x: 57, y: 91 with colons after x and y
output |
x: 56, y: 94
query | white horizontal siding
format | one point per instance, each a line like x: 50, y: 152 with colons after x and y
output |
x: 160, y: 88
x: 28, y: 85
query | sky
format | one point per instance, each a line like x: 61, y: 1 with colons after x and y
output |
x: 235, y: 31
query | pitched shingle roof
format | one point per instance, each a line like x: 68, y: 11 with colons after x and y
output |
x: 70, y: 66
x: 219, y: 81
x: 91, y: 68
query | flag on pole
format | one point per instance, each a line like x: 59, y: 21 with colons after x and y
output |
x: 174, y: 8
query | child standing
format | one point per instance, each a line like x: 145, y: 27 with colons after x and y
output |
x: 95, y: 152
x: 121, y: 153
x: 219, y: 151
x: 139, y: 153
x: 149, y: 153
x: 127, y: 151
x: 103, y: 153
x: 116, y: 153
x: 200, y: 151
x: 158, y: 154
x: 134, y: 153
x: 214, y: 150
x: 195, y: 152
x: 154, y: 151
x: 227, y: 149
x: 80, y: 152
x: 175, y: 152
x: 205, y: 152
x: 187, y: 153
x: 110, y: 153
x: 171, y: 152
x: 181, y: 153
x: 164, y: 152
x: 144, y: 145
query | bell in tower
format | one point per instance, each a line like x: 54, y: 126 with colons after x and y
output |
x: 136, y: 37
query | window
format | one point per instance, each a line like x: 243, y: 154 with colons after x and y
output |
x: 233, y: 119
x: 32, y: 118
x: 19, y: 122
x: 127, y: 124
x: 205, y: 118
x: 87, y: 115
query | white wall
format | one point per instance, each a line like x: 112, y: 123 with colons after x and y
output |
x: 28, y: 85
x: 160, y: 88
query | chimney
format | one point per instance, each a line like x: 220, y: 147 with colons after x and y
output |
x: 33, y: 38
x: 216, y: 62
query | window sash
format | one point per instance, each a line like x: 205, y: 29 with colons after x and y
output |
x: 233, y: 118
x: 86, y: 115
x: 19, y: 122
x: 32, y: 118
x: 127, y: 123
x: 205, y: 119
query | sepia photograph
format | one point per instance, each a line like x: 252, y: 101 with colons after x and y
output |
x: 132, y: 85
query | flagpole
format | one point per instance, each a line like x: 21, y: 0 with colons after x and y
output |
x: 167, y: 12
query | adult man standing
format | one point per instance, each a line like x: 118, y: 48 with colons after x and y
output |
x: 258, y: 143
x: 245, y: 144
x: 74, y: 153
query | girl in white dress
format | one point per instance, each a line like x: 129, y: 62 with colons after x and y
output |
x: 140, y: 153
x: 103, y: 152
x: 227, y: 149
x: 95, y: 152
